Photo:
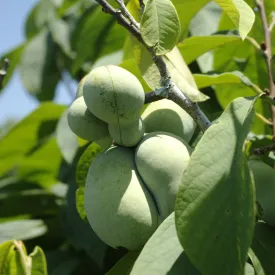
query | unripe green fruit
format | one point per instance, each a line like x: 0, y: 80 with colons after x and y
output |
x: 79, y: 91
x: 161, y: 159
x: 264, y: 177
x: 84, y: 124
x: 113, y: 94
x: 128, y: 135
x: 166, y: 116
x: 119, y: 208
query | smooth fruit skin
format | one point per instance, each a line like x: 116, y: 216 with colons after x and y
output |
x: 113, y: 94
x: 264, y: 177
x: 84, y: 124
x: 119, y: 208
x: 166, y: 116
x: 128, y: 135
x: 161, y: 159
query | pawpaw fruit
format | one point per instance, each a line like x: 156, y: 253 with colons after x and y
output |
x: 161, y: 159
x: 113, y: 94
x: 128, y: 135
x: 79, y: 91
x: 84, y: 124
x: 264, y: 177
x: 119, y: 207
x: 166, y: 116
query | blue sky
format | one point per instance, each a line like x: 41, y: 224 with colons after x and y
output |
x: 15, y: 102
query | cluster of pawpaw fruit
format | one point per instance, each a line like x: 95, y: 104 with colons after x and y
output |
x: 132, y: 185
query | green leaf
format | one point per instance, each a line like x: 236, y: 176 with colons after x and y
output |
x: 240, y: 13
x: 264, y: 246
x: 28, y: 202
x: 82, y: 169
x: 195, y: 46
x: 216, y: 198
x: 95, y: 35
x: 163, y: 253
x: 14, y: 57
x: 32, y: 130
x: 5, y: 249
x: 22, y: 230
x: 124, y: 265
x: 178, y: 69
x: 160, y: 26
x: 39, y: 264
x: 256, y: 263
x: 38, y: 68
x: 66, y: 139
x: 205, y: 80
x: 186, y: 11
x: 60, y: 32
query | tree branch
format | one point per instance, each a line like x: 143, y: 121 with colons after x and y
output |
x: 172, y: 91
x: 3, y: 71
x: 142, y: 6
x: 268, y: 55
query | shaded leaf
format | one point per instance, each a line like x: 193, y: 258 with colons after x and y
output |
x: 216, y: 198
x: 240, y: 13
x: 160, y: 26
x: 124, y: 265
x: 163, y: 253
x: 256, y: 263
x: 195, y: 46
x: 38, y: 68
x: 22, y: 230
x: 66, y: 139
x: 32, y: 130
x: 264, y: 246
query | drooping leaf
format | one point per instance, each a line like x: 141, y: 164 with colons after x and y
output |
x: 38, y: 69
x: 21, y: 230
x: 160, y: 26
x: 124, y: 265
x: 178, y: 69
x: 264, y: 246
x: 14, y: 57
x: 66, y: 139
x: 216, y: 198
x: 163, y: 253
x: 195, y: 46
x: 240, y: 13
x: 28, y: 134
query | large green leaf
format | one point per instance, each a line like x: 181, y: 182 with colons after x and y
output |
x: 240, y: 13
x: 38, y: 69
x: 160, y: 26
x: 193, y: 47
x: 21, y: 230
x: 163, y: 253
x: 14, y: 57
x: 96, y: 34
x: 124, y: 265
x: 28, y: 135
x: 264, y: 246
x: 215, y: 209
x: 178, y: 69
